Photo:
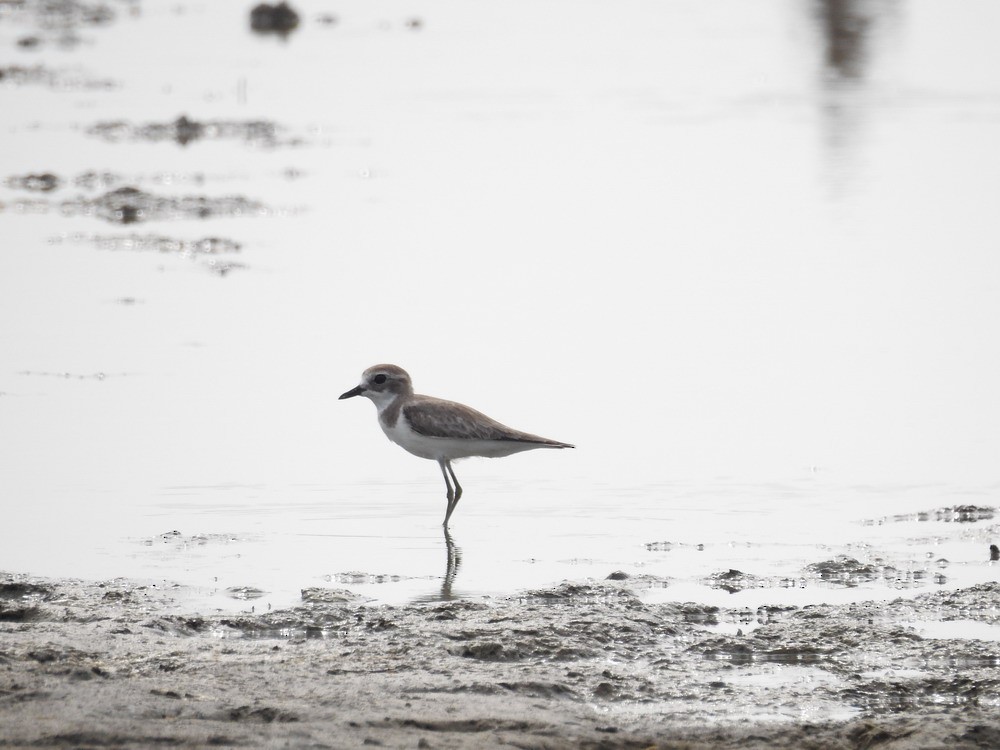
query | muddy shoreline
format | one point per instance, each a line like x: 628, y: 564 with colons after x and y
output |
x: 117, y: 664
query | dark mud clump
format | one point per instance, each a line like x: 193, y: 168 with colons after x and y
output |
x: 584, y: 593
x: 582, y: 665
x: 274, y: 19
x: 733, y: 580
x: 844, y: 571
x: 317, y: 595
x: 19, y: 600
x: 184, y: 131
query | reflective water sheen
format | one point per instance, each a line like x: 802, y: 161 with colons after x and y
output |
x: 741, y: 254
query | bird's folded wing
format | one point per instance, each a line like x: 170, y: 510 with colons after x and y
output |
x: 447, y: 419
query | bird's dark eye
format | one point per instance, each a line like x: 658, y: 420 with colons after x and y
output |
x: 379, y: 379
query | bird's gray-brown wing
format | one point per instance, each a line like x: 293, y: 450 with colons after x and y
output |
x: 446, y: 419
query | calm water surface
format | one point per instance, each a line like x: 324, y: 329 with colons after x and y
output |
x: 744, y: 255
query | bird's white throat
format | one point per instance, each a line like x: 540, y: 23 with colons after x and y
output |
x: 382, y: 399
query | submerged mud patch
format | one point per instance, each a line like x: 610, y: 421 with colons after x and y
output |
x: 61, y: 79
x: 206, y: 250
x: 155, y: 243
x: 93, y: 180
x: 129, y: 205
x: 43, y: 182
x: 356, y: 577
x: 180, y: 541
x: 57, y: 21
x: 844, y: 570
x: 184, y: 130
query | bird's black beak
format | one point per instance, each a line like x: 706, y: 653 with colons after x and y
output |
x: 353, y: 392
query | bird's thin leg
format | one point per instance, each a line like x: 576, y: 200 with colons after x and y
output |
x: 451, y: 492
x: 458, y: 487
x: 453, y: 497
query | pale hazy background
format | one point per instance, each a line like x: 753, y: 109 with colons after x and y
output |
x: 743, y: 254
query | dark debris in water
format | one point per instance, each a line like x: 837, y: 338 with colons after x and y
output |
x: 948, y: 514
x: 184, y: 130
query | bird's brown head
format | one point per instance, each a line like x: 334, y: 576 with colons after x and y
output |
x: 382, y: 383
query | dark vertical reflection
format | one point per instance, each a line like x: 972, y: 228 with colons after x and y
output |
x: 453, y: 561
x: 846, y: 27
x: 849, y: 33
x: 454, y: 556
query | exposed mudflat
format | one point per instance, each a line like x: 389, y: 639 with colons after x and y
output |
x: 581, y: 665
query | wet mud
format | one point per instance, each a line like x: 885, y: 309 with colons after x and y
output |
x: 584, y: 664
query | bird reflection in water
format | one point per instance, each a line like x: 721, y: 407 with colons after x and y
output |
x: 453, y: 557
x: 451, y: 569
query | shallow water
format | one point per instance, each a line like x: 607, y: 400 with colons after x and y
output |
x: 741, y: 255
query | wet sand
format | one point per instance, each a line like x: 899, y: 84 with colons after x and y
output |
x: 589, y: 664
